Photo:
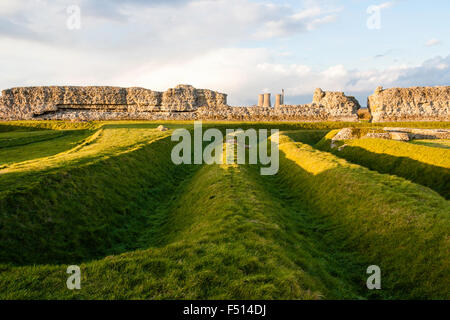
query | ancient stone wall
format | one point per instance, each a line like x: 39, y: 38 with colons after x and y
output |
x: 183, y: 102
x: 410, y: 104
x: 37, y: 102
x: 337, y: 103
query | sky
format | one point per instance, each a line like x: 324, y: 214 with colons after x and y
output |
x: 239, y: 47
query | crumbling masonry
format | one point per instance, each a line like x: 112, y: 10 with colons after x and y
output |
x: 185, y: 102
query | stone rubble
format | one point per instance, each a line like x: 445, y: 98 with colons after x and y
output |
x: 378, y: 135
x: 391, y: 133
x: 161, y: 128
x: 415, y: 133
x: 399, y: 136
x: 345, y: 134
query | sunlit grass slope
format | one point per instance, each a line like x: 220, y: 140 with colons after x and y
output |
x: 112, y: 201
x: 310, y: 137
x: 18, y: 146
x: 223, y: 236
x: 20, y: 138
x: 422, y: 164
x: 438, y: 143
x: 400, y: 226
x: 282, y: 125
x: 86, y: 202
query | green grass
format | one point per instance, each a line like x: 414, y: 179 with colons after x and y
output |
x: 393, y: 223
x: 6, y: 126
x: 79, y: 212
x: 422, y: 164
x: 282, y: 125
x: 140, y: 227
x: 310, y: 137
x: 324, y: 144
x: 20, y: 138
x: 437, y: 143
x: 18, y: 146
x: 221, y: 237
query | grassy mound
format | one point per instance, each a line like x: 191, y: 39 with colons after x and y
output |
x: 310, y: 137
x: 112, y: 202
x: 324, y: 143
x: 6, y: 126
x: 88, y: 202
x: 18, y: 146
x: 437, y: 143
x: 282, y: 125
x: 224, y: 238
x: 400, y: 226
x: 20, y: 138
x: 425, y: 165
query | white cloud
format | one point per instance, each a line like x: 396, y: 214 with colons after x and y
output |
x: 243, y: 73
x: 433, y: 42
x: 385, y: 5
x: 132, y: 43
x: 119, y: 36
x: 159, y: 21
x: 284, y: 22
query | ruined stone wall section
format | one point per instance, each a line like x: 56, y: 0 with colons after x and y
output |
x: 181, y: 98
x: 183, y: 102
x: 36, y: 102
x: 225, y: 113
x: 306, y: 112
x: 336, y: 102
x: 410, y: 104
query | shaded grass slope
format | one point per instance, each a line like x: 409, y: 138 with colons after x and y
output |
x: 422, y: 164
x: 72, y: 212
x: 22, y: 146
x: 224, y: 238
x: 400, y: 226
x: 310, y: 137
x: 142, y: 228
x: 437, y: 143
x: 20, y: 138
x: 282, y: 125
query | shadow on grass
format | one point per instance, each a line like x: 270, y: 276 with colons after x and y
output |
x: 80, y: 213
x: 431, y: 176
x: 380, y: 219
x: 31, y: 147
x: 8, y: 127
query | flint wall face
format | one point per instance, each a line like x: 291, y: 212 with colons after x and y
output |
x: 37, y: 102
x: 183, y: 102
x: 410, y: 104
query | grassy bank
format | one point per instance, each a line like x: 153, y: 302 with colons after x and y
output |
x: 423, y: 164
x: 112, y: 202
x: 310, y: 137
x: 85, y: 204
x: 282, y: 125
x: 393, y: 223
x: 18, y: 146
x: 438, y: 143
x: 224, y: 237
